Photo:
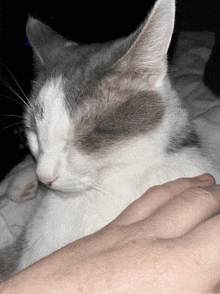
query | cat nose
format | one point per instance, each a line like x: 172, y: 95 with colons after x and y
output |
x: 47, y: 169
x: 46, y: 180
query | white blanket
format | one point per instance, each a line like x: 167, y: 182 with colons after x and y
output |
x: 18, y: 189
x: 193, y: 51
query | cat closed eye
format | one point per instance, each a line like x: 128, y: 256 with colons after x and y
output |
x: 104, y: 131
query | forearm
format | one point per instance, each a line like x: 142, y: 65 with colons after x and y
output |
x: 86, y: 266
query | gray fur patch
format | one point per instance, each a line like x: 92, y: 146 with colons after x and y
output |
x: 8, y: 261
x: 186, y: 138
x: 9, y: 258
x: 138, y: 114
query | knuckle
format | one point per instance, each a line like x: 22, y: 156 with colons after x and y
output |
x: 184, y: 182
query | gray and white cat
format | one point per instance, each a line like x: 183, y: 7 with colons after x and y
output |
x: 104, y: 124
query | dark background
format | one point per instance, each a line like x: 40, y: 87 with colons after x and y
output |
x: 81, y: 21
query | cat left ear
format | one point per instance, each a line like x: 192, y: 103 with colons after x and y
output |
x: 148, y: 53
x: 47, y: 44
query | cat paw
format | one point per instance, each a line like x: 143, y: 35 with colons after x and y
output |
x: 21, y: 183
x: 24, y: 185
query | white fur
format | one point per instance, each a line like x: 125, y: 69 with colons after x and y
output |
x: 54, y: 131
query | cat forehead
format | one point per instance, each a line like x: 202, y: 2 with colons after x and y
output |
x: 77, y: 75
x: 85, y: 76
x: 51, y: 96
x: 51, y: 112
x: 91, y: 96
x: 61, y: 96
x: 63, y: 102
x: 81, y: 62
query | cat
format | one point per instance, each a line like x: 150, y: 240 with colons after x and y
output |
x: 104, y: 124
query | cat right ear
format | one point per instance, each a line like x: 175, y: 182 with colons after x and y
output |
x: 46, y: 44
x: 148, y: 53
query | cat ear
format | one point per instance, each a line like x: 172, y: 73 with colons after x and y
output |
x: 148, y: 52
x: 47, y: 44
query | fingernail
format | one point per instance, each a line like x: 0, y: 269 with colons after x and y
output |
x: 204, y: 177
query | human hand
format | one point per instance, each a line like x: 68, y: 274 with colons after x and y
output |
x: 167, y: 241
x: 174, y: 239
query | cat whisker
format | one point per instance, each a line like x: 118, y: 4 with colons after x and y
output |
x: 98, y: 188
x: 11, y: 99
x: 88, y: 198
x: 17, y: 84
x: 85, y: 197
x: 18, y: 123
x: 91, y: 197
x: 11, y: 115
x: 7, y: 85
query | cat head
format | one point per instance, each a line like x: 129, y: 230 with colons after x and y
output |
x: 96, y: 106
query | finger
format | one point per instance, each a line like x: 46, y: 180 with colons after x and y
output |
x: 157, y: 196
x: 184, y: 212
x: 204, y: 248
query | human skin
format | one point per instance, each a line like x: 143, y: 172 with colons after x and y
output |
x: 167, y: 241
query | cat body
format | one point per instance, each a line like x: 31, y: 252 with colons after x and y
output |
x: 104, y: 125
x: 59, y: 221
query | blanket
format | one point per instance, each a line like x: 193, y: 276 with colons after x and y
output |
x: 18, y: 189
x: 193, y: 51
